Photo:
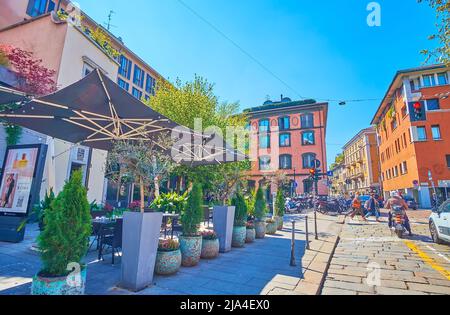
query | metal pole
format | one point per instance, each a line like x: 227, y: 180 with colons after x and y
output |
x: 307, y: 232
x: 315, y: 223
x: 293, y: 264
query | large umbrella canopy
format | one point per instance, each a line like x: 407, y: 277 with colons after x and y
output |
x: 8, y: 96
x: 96, y: 112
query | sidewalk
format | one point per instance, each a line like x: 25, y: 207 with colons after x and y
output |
x: 369, y: 259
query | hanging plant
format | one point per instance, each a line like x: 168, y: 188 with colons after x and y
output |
x: 13, y: 134
x: 384, y: 125
x: 391, y: 112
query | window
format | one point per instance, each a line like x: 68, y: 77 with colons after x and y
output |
x: 150, y: 85
x: 308, y: 159
x: 448, y: 160
x: 404, y: 168
x: 414, y: 86
x: 264, y: 163
x: 396, y: 171
x: 137, y: 94
x: 436, y: 132
x: 125, y: 67
x: 264, y: 141
x: 284, y: 123
x: 404, y: 111
x: 307, y: 121
x: 285, y: 162
x: 87, y: 69
x: 308, y: 138
x: 36, y: 7
x: 138, y: 77
x: 285, y: 140
x: 123, y: 84
x: 433, y: 104
x: 394, y: 124
x: 442, y: 78
x: 428, y: 80
x: 421, y: 134
x: 264, y: 125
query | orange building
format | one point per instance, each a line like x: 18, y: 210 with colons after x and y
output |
x: 413, y: 128
x: 290, y: 136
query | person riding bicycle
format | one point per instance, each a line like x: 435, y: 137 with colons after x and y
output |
x: 397, y: 201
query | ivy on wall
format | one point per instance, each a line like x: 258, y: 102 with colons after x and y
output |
x: 13, y: 134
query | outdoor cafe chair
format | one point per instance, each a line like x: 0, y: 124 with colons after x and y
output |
x: 111, y: 236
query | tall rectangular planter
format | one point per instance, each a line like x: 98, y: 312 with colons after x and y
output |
x: 141, y: 233
x: 223, y: 220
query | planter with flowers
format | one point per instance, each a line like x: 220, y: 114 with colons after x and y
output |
x: 260, y: 213
x: 271, y: 226
x: 210, y: 245
x: 191, y: 217
x: 250, y: 233
x: 168, y: 258
x: 240, y: 220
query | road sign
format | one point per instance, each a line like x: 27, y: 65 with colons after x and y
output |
x: 295, y: 184
x: 316, y: 163
x: 330, y: 174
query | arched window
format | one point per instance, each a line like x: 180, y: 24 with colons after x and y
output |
x: 308, y: 159
x: 264, y: 163
x: 285, y: 162
x: 264, y: 125
x: 307, y: 121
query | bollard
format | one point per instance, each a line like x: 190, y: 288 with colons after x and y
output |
x: 293, y: 264
x: 307, y: 232
x: 315, y: 224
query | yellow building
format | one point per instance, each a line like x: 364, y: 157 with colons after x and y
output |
x: 338, y: 186
x: 362, y: 167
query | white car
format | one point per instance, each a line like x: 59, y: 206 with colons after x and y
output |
x: 440, y: 224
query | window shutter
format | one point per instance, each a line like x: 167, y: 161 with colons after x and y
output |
x: 30, y: 7
x: 414, y: 134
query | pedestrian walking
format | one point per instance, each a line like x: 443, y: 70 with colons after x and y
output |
x: 357, y: 208
x: 373, y: 206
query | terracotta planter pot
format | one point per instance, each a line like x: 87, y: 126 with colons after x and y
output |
x: 191, y: 250
x: 260, y: 228
x: 59, y: 285
x: 210, y: 249
x: 168, y: 263
x: 250, y: 236
x: 271, y: 228
x: 279, y: 223
x: 239, y: 235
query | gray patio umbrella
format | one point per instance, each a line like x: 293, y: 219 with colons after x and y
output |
x: 96, y: 112
x: 8, y: 96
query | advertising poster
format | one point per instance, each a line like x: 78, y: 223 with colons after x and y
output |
x: 17, y: 180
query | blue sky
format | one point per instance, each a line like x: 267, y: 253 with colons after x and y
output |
x: 320, y: 49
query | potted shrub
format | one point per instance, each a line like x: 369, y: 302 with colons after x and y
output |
x: 250, y: 232
x: 260, y: 213
x: 279, y: 209
x: 240, y: 220
x: 210, y: 245
x: 64, y: 242
x: 191, y: 217
x: 168, y: 258
x: 271, y: 226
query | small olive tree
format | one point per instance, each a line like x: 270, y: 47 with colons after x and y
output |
x: 144, y: 162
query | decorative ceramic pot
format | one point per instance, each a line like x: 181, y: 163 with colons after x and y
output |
x: 280, y: 223
x: 251, y: 235
x: 191, y: 250
x: 168, y: 263
x: 260, y: 227
x: 271, y: 227
x: 239, y: 235
x: 210, y: 249
x: 73, y: 284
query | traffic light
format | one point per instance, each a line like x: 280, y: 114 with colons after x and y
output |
x: 418, y: 110
x: 317, y: 175
x: 312, y: 173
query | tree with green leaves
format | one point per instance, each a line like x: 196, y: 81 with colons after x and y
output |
x: 67, y: 229
x: 279, y: 204
x: 192, y: 214
x: 240, y: 214
x: 260, y: 205
x: 440, y: 54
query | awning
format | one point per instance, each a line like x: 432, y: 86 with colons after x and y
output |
x: 8, y: 96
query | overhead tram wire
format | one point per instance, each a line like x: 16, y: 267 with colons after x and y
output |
x: 341, y: 102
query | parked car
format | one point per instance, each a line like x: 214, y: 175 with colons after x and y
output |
x: 412, y: 204
x: 440, y: 223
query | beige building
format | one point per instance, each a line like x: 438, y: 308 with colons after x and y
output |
x: 338, y: 185
x: 362, y: 166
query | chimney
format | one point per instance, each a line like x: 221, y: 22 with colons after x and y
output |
x: 281, y: 97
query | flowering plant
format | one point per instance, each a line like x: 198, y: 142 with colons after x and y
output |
x: 209, y: 235
x: 108, y: 208
x: 250, y: 225
x: 135, y: 206
x: 168, y: 245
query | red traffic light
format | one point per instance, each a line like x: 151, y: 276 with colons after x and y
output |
x: 312, y: 171
x: 417, y: 105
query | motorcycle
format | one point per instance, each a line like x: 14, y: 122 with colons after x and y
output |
x: 398, y: 221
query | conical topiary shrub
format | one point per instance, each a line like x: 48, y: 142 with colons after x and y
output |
x: 279, y: 209
x: 240, y: 220
x: 64, y: 241
x: 260, y: 213
x: 191, y: 217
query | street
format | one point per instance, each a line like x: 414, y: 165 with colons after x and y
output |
x: 369, y: 259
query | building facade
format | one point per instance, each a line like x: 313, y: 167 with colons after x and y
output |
x: 413, y: 132
x: 287, y: 137
x: 338, y: 184
x: 71, y: 52
x: 362, y: 169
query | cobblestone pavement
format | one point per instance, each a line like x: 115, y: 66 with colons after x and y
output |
x: 371, y: 260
